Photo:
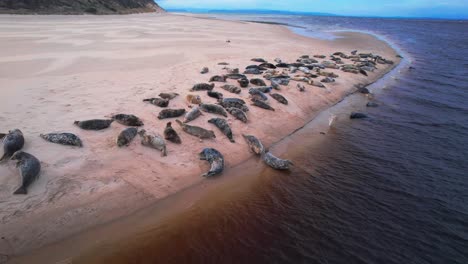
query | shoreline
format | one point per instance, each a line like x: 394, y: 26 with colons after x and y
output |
x: 152, y: 199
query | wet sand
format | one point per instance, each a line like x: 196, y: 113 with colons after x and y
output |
x: 57, y: 69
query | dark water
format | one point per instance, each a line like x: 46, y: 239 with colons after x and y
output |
x: 389, y: 189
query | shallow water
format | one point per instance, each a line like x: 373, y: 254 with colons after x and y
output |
x: 392, y: 188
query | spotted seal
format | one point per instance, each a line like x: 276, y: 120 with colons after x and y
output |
x: 171, y: 113
x: 94, y: 124
x: 238, y: 114
x: 204, y: 70
x: 258, y: 82
x: 216, y: 160
x: 202, y: 87
x: 327, y: 80
x: 262, y: 104
x: 233, y: 102
x: 254, y: 144
x: 275, y: 162
x: 218, y: 78
x: 68, y: 139
x: 196, y: 131
x: 29, y: 169
x: 223, y: 125
x: 282, y: 65
x: 126, y: 136
x: 127, y: 120
x: 264, y: 89
x: 193, y: 99
x: 171, y: 135
x: 214, y: 109
x: 161, y: 102
x: 215, y: 94
x: 356, y: 115
x: 168, y: 96
x: 279, y: 98
x: 12, y: 142
x: 235, y: 76
x: 258, y: 60
x: 255, y: 71
x: 231, y: 88
x: 243, y: 82
x: 259, y: 95
x: 153, y: 141
x: 372, y: 104
x: 192, y: 114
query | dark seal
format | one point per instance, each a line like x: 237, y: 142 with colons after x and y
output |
x: 29, y: 168
x: 94, y: 124
x: 223, y: 125
x: 171, y: 135
x: 196, y: 131
x: 202, y: 87
x: 68, y: 139
x: 214, y: 109
x: 356, y: 115
x: 170, y: 113
x: 257, y: 82
x: 12, y: 142
x: 126, y: 136
x: 275, y: 162
x: 215, y: 94
x: 216, y: 160
x: 279, y: 98
x: 161, y: 102
x: 262, y: 104
x: 127, y: 120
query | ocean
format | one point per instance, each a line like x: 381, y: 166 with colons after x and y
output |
x: 392, y: 188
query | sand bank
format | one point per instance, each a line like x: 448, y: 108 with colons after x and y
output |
x: 57, y: 69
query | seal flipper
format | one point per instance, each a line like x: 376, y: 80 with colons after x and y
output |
x: 21, y: 190
x: 2, y: 135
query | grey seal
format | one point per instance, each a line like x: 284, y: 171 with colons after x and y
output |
x: 257, y: 94
x: 171, y: 113
x: 127, y: 120
x: 254, y: 144
x: 161, y: 102
x: 12, y: 142
x: 279, y: 98
x: 223, y: 125
x: 216, y: 160
x: 171, y: 135
x: 261, y: 104
x: 264, y: 89
x: 233, y: 102
x: 231, y: 88
x: 126, y: 136
x: 275, y: 162
x: 235, y: 76
x: 238, y: 114
x: 196, y: 131
x: 168, y: 96
x: 214, y: 109
x: 215, y: 94
x: 153, y: 141
x: 356, y: 115
x: 257, y: 82
x: 327, y: 80
x: 267, y: 65
x: 372, y: 104
x: 68, y: 139
x: 255, y: 71
x: 218, y: 78
x: 202, y: 87
x: 204, y: 70
x: 258, y: 60
x: 192, y: 114
x: 244, y: 82
x: 29, y: 168
x: 94, y: 124
x: 282, y: 65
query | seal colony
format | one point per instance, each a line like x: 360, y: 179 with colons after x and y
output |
x: 304, y: 70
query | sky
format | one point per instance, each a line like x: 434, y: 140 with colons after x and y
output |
x: 402, y: 8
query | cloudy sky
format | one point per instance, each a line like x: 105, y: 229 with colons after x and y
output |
x: 431, y: 8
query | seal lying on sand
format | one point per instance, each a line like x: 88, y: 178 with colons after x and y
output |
x: 223, y: 125
x: 170, y: 113
x: 204, y: 70
x: 233, y: 102
x: 355, y: 115
x: 276, y: 163
x: 171, y: 135
x: 258, y: 60
x: 279, y: 98
x: 127, y: 120
x: 153, y: 141
x: 29, y: 168
x: 244, y: 82
x: 193, y: 114
x: 63, y: 139
x: 257, y: 82
x: 267, y: 65
x: 193, y: 99
x: 214, y: 109
x: 126, y: 136
x: 168, y: 96
x: 262, y: 104
x: 264, y: 89
x: 12, y: 142
x: 238, y: 114
x: 202, y: 87
x: 157, y: 101
x: 254, y: 144
x: 218, y: 78
x: 259, y: 95
x: 215, y: 94
x: 235, y: 76
x: 196, y: 131
x: 231, y: 88
x: 94, y: 124
x: 216, y: 160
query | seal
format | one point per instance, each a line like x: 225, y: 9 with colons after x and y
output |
x: 278, y: 60
x: 275, y: 162
x: 231, y: 88
x: 258, y: 60
x: 257, y: 82
x: 259, y: 95
x: 243, y: 82
x: 12, y: 142
x: 170, y: 113
x: 168, y: 96
x: 275, y: 84
x: 267, y: 65
x: 202, y: 87
x: 223, y: 125
x: 153, y: 141
x: 193, y: 114
x: 126, y: 136
x: 215, y: 94
x: 193, y: 99
x: 29, y: 169
x: 196, y: 131
x: 171, y: 135
x: 68, y: 139
x: 235, y: 76
x: 262, y: 104
x: 231, y: 71
x: 233, y: 102
x: 238, y: 114
x: 356, y: 115
x: 282, y: 65
x: 264, y: 89
x: 214, y: 109
x: 255, y: 71
x: 216, y: 160
x: 372, y: 104
x: 94, y: 124
x: 218, y: 78
x: 204, y: 70
x: 127, y: 120
x: 254, y: 144
x: 320, y: 56
x: 161, y: 102
x: 279, y: 98
x: 223, y: 63
x: 300, y: 87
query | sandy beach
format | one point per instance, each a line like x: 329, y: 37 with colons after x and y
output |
x: 58, y: 69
